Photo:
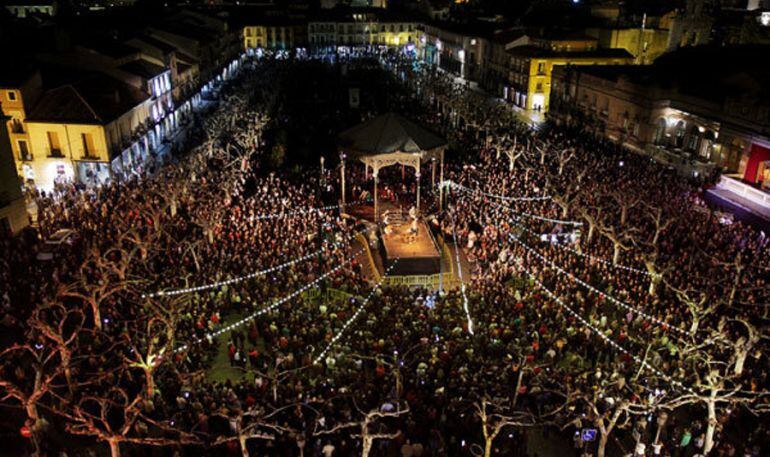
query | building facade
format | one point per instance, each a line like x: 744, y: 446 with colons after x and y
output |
x: 13, y: 209
x: 531, y: 69
x: 458, y: 49
x: 676, y: 110
x: 365, y: 28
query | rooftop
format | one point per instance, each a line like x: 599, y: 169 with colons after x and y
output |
x: 143, y: 68
x: 537, y: 51
x: 741, y: 71
x: 96, y: 99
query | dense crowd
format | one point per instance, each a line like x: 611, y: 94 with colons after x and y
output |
x: 672, y: 323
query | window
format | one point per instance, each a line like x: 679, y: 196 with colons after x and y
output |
x: 54, y: 147
x: 541, y: 68
x: 539, y: 87
x: 693, y: 138
x: 88, y: 145
x: 12, y: 95
x: 660, y: 132
x: 24, y: 153
x: 679, y: 134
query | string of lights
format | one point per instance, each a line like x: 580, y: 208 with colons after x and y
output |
x: 519, y: 216
x: 670, y: 380
x: 498, y: 196
x: 237, y: 279
x: 598, y: 292
x: 460, y: 275
x: 355, y: 315
x: 567, y: 248
x: 300, y: 212
x: 269, y: 308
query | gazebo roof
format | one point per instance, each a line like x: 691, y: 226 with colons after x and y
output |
x: 388, y: 133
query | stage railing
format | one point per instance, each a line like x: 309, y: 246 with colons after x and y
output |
x: 436, y: 281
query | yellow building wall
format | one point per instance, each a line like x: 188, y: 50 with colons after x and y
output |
x: 45, y: 168
x: 269, y: 37
x: 402, y: 38
x: 15, y: 110
x: 645, y: 45
x: 541, y: 96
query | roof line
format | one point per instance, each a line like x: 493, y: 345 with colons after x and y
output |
x: 88, y: 105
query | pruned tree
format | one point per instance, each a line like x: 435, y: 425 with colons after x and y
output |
x: 253, y: 424
x: 495, y: 418
x: 115, y: 415
x: 365, y: 427
x: 37, y: 366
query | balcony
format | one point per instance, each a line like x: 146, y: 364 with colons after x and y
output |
x: 26, y: 157
x: 55, y: 153
x: 90, y: 157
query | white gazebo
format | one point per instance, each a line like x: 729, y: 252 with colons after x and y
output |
x: 391, y: 139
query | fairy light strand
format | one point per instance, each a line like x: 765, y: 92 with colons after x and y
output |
x: 460, y: 275
x: 269, y: 308
x: 498, y: 196
x: 519, y: 216
x: 238, y: 279
x: 567, y: 248
x: 355, y: 315
x: 598, y: 292
x: 300, y: 212
x: 673, y: 382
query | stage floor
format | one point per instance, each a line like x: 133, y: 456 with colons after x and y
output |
x: 403, y: 244
x: 417, y: 253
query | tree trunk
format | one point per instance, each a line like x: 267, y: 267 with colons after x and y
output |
x: 65, y: 359
x: 34, y: 417
x: 150, y: 383
x: 740, y: 360
x: 694, y: 325
x: 114, y: 447
x: 366, y: 446
x: 488, y: 448
x: 615, y: 253
x: 603, y: 438
x: 97, y: 316
x: 711, y: 426
x: 244, y: 447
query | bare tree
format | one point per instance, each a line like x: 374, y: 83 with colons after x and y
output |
x: 365, y: 427
x: 37, y: 367
x: 254, y: 424
x: 116, y: 416
x: 494, y: 419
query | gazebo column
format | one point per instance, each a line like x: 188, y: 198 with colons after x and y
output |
x: 433, y: 172
x: 441, y: 187
x: 342, y: 179
x: 376, y: 172
x: 417, y: 178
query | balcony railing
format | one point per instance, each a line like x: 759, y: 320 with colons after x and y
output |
x: 55, y: 152
x: 28, y: 157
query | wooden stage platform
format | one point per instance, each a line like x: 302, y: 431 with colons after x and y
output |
x: 417, y: 253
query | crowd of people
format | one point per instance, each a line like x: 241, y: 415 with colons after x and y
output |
x: 620, y: 302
